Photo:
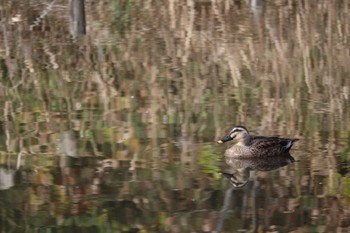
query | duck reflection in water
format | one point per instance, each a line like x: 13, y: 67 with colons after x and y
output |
x: 237, y: 171
x: 250, y: 152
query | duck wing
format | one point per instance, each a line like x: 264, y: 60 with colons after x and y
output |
x: 271, y: 144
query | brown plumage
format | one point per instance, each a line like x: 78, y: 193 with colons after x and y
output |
x: 249, y: 146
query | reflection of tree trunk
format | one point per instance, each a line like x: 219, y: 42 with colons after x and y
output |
x: 154, y: 129
x: 77, y: 14
x: 244, y: 205
x: 255, y: 219
x: 226, y: 207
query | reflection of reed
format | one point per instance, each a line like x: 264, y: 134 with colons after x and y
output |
x: 225, y: 209
x: 175, y: 73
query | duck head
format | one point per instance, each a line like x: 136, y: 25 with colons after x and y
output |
x: 239, y: 133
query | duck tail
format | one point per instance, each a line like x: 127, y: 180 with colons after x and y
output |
x: 290, y: 144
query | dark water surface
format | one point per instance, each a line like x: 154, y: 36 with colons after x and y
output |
x: 116, y: 130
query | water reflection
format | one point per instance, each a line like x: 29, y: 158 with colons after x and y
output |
x: 6, y: 178
x: 67, y: 144
x: 146, y: 91
x: 237, y: 171
x: 8, y: 170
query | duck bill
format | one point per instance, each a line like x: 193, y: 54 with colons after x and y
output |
x: 225, y: 139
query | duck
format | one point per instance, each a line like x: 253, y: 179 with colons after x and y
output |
x: 249, y: 146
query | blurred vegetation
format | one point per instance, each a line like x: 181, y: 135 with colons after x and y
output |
x: 208, y: 161
x: 140, y: 99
